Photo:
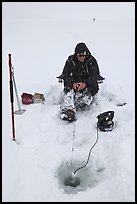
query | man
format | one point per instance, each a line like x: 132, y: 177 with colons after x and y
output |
x: 81, y: 76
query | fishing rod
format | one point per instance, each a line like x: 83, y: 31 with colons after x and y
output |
x: 11, y: 97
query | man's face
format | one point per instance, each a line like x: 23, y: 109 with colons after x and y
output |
x: 81, y: 56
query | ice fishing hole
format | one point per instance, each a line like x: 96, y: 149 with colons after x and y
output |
x: 72, y: 181
x: 87, y: 177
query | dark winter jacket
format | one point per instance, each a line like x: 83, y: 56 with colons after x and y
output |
x: 76, y: 71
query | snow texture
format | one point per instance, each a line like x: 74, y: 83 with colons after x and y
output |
x: 36, y: 167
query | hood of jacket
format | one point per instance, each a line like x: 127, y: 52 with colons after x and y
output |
x: 81, y: 48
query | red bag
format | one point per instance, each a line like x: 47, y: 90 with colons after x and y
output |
x: 27, y: 98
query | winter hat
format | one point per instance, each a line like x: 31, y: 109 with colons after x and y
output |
x: 81, y: 48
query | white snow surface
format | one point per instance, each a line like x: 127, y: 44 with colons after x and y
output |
x: 40, y: 36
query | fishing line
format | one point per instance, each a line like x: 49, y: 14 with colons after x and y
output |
x: 73, y: 134
x: 88, y: 155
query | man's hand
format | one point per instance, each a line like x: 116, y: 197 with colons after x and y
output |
x: 79, y: 86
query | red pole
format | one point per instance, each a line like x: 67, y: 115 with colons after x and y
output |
x: 11, y: 98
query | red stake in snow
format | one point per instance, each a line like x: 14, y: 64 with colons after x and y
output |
x: 11, y: 97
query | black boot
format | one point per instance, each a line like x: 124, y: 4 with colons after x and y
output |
x: 68, y: 115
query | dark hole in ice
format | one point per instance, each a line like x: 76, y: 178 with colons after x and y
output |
x: 72, y: 181
x: 79, y: 181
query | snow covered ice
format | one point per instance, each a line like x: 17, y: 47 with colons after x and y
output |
x: 40, y: 36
